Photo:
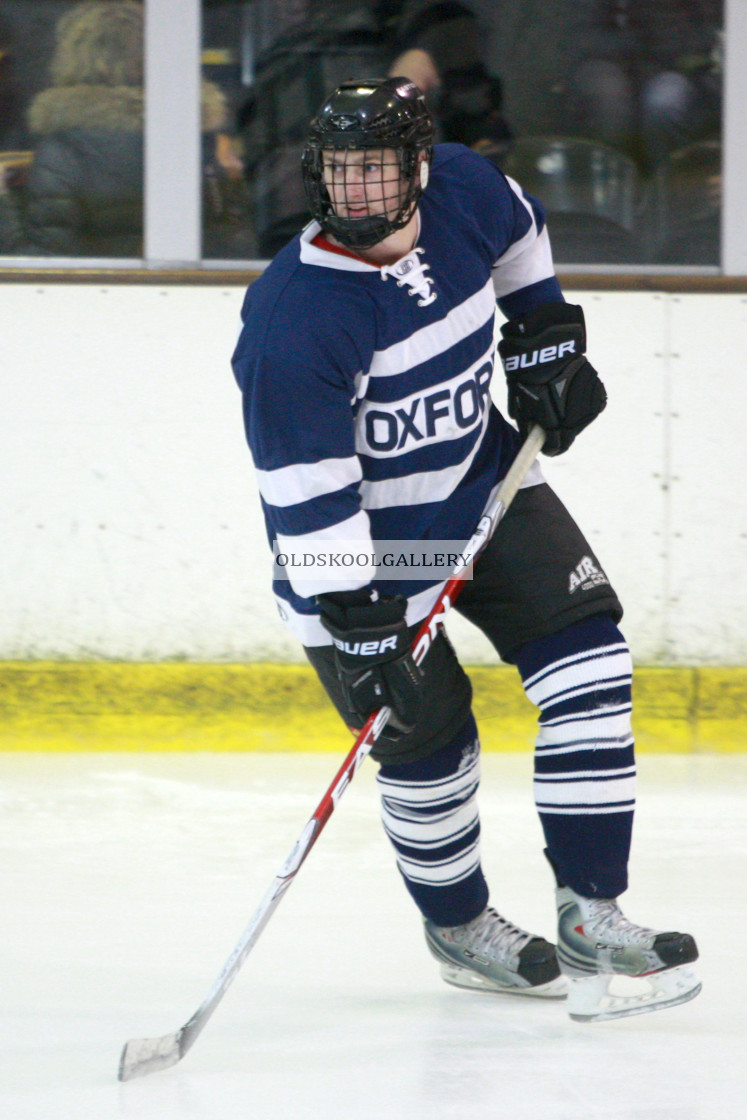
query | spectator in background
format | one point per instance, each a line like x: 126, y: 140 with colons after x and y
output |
x: 441, y: 51
x: 84, y: 191
x: 515, y: 64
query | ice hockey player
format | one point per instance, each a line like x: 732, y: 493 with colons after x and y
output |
x: 365, y: 363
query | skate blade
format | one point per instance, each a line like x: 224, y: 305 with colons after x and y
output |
x: 475, y: 982
x: 593, y: 999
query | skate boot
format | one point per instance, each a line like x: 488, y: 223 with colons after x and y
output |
x: 616, y: 968
x: 491, y: 954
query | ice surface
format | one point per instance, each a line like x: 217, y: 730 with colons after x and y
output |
x: 126, y: 881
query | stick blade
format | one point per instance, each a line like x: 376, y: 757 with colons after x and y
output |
x: 141, y: 1056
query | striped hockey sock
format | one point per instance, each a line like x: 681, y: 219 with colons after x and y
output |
x: 429, y: 811
x: 584, y: 767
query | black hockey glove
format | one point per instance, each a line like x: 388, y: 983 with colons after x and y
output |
x: 550, y: 382
x: 372, y: 655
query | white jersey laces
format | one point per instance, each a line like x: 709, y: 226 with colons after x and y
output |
x: 410, y: 272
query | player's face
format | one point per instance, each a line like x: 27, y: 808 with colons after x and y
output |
x: 363, y: 184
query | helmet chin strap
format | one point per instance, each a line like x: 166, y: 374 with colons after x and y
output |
x: 362, y: 234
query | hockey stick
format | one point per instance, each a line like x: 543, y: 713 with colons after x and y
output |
x: 146, y: 1055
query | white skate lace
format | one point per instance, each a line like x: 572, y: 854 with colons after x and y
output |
x: 411, y: 273
x: 606, y: 921
x: 490, y: 932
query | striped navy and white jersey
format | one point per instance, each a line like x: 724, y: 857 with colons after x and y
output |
x: 366, y: 389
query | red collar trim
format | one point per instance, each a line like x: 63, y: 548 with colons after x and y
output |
x: 321, y: 242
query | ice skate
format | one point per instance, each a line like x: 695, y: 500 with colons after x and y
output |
x: 491, y: 954
x: 616, y: 968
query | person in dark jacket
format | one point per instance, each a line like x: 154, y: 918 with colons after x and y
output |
x: 84, y: 191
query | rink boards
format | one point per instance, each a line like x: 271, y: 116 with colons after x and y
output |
x: 138, y: 612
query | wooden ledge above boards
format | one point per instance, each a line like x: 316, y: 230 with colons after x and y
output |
x: 676, y: 282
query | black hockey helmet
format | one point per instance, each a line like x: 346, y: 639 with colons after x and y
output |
x: 381, y: 113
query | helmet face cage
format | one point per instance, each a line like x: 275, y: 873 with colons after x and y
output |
x: 361, y: 202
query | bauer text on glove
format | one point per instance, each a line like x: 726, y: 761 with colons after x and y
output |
x: 550, y: 382
x: 372, y: 655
